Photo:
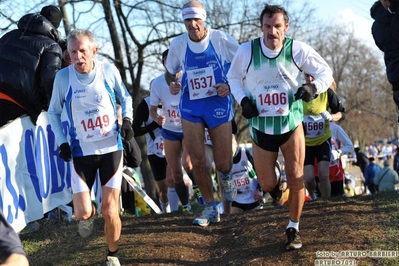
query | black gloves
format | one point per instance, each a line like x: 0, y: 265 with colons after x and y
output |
x: 127, y: 171
x: 127, y: 130
x: 306, y: 92
x: 249, y: 109
x: 65, y: 152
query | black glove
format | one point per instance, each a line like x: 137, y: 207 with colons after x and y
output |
x: 127, y: 130
x: 128, y: 172
x: 65, y: 152
x: 306, y: 92
x: 249, y: 109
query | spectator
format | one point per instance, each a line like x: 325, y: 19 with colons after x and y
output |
x: 372, y: 151
x: 29, y: 60
x: 131, y: 159
x: 205, y: 101
x: 66, y: 59
x: 386, y: 178
x: 264, y: 78
x: 370, y: 173
x: 348, y: 190
x: 396, y: 161
x: 341, y: 145
x: 361, y: 161
x: 385, y: 31
x: 11, y: 250
x: 95, y: 142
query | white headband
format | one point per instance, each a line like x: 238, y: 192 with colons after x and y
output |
x: 194, y: 12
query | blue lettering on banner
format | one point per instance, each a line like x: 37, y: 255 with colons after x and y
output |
x: 43, y: 166
x: 52, y: 169
x: 42, y: 171
x: 18, y: 201
x: 60, y: 170
x: 31, y: 162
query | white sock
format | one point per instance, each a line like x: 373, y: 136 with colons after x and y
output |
x: 292, y: 224
x: 165, y: 207
x: 173, y: 199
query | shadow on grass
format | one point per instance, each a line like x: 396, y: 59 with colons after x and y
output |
x: 256, y: 238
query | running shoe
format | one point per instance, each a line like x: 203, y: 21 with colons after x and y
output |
x: 112, y: 261
x: 229, y: 189
x: 277, y: 191
x: 207, y: 216
x: 86, y: 227
x: 187, y: 209
x: 314, y: 197
x: 293, y: 239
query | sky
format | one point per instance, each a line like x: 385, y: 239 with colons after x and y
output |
x: 351, y: 12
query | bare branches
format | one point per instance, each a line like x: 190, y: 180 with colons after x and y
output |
x: 133, y: 34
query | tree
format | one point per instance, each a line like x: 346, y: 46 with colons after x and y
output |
x: 361, y: 84
x: 133, y: 34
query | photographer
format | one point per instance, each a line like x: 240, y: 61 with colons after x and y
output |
x: 11, y: 250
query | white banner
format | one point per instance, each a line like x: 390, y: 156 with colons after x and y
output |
x: 33, y: 179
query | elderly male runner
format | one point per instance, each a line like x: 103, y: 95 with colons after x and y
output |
x: 88, y: 90
x: 204, y: 56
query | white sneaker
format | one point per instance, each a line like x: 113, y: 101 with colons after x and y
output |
x: 86, y: 227
x: 112, y: 261
x: 208, y: 215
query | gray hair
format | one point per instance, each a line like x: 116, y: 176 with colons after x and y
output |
x: 195, y: 3
x: 79, y: 33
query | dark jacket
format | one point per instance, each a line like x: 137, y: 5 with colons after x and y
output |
x: 9, y: 240
x: 396, y: 163
x: 361, y: 160
x: 370, y: 172
x: 385, y: 33
x: 29, y: 59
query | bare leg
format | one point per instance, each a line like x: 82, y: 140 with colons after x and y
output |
x: 309, y: 179
x: 82, y: 205
x: 221, y: 137
x: 194, y: 143
x: 173, y: 153
x: 324, y: 176
x: 294, y: 155
x: 163, y: 190
x: 109, y: 210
